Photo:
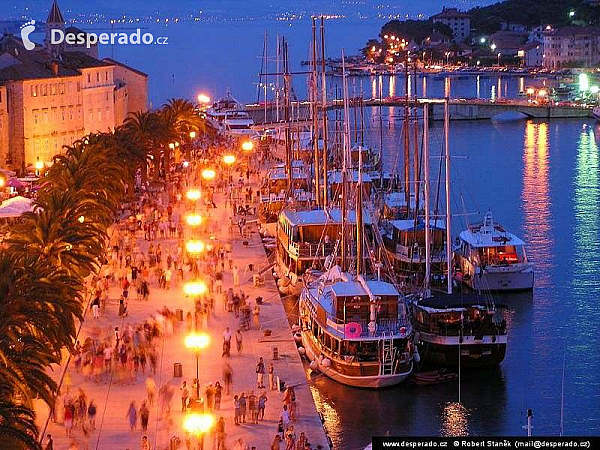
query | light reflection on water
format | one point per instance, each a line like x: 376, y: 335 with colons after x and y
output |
x: 454, y: 420
x: 536, y: 201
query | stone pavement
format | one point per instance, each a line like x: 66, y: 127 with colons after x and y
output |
x: 113, y: 399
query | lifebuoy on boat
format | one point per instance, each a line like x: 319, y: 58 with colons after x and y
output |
x: 302, y: 351
x: 353, y: 330
x: 314, y: 365
x: 298, y: 337
x: 326, y: 362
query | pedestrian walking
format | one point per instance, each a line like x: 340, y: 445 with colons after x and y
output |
x: 226, y: 342
x: 220, y: 430
x: 271, y: 377
x: 218, y: 393
x: 236, y: 276
x: 185, y: 393
x: 275, y: 444
x: 91, y: 412
x: 144, y: 415
x: 145, y: 445
x: 238, y: 341
x: 96, y: 307
x: 253, y: 407
x: 243, y: 405
x: 150, y: 390
x: 49, y: 442
x: 236, y: 410
x: 227, y: 377
x: 260, y: 373
x: 132, y: 416
x: 262, y: 401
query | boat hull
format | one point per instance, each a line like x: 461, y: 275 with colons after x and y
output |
x: 367, y: 382
x: 444, y: 351
x: 501, y: 280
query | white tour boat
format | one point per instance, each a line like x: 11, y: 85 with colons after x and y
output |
x: 491, y: 258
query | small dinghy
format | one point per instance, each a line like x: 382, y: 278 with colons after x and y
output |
x: 434, y: 377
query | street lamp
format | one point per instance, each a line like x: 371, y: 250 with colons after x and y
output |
x: 447, y: 57
x: 209, y: 174
x: 197, y: 342
x: 193, y: 194
x: 247, y: 146
x: 192, y: 135
x: 229, y: 159
x: 198, y: 425
x: 493, y: 47
x: 203, y: 99
x: 39, y: 166
x: 194, y: 288
x: 193, y: 219
x: 194, y: 247
x: 499, y: 58
x: 81, y: 219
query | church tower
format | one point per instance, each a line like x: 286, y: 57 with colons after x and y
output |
x: 54, y: 21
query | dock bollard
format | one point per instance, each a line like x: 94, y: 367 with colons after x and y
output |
x: 177, y: 370
x: 275, y: 353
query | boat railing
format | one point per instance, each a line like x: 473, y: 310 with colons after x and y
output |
x: 437, y: 254
x: 358, y: 329
x: 309, y: 250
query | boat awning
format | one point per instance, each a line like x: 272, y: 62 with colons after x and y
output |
x: 409, y: 224
x: 322, y: 217
x: 381, y: 288
x: 348, y: 289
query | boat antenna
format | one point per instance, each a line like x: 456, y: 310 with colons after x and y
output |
x: 448, y: 217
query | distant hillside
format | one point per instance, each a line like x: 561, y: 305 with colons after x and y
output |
x: 533, y: 13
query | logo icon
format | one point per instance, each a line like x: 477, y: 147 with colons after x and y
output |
x: 26, y: 29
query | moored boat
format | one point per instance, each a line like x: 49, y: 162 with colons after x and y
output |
x: 491, y: 258
x: 355, y: 330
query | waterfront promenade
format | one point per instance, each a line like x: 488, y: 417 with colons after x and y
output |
x: 113, y: 396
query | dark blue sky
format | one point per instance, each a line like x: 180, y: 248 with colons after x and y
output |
x: 230, y: 8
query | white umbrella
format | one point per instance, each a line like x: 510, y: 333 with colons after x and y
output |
x: 15, y: 206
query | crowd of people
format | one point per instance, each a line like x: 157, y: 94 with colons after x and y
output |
x: 147, y: 254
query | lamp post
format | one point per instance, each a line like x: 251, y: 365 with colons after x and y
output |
x: 193, y: 219
x: 499, y: 59
x: 190, y: 147
x: 229, y: 160
x: 193, y: 194
x: 197, y: 342
x: 198, y: 425
x: 39, y: 166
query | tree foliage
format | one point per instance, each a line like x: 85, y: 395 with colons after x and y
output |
x: 48, y: 257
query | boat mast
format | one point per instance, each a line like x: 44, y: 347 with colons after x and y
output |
x: 324, y: 105
x: 345, y: 150
x: 277, y: 54
x: 288, y: 136
x: 417, y: 171
x: 426, y: 194
x: 406, y: 131
x: 448, y: 224
x: 315, y: 112
x: 359, y: 219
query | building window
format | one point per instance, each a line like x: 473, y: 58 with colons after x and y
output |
x: 89, y: 78
x: 36, y: 116
x: 61, y: 88
x: 53, y: 89
x: 34, y: 91
x: 62, y: 113
x: 106, y: 75
x: 45, y: 90
x: 99, y: 114
x: 0, y: 96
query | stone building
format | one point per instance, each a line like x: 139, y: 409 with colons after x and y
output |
x: 55, y: 94
x: 458, y: 21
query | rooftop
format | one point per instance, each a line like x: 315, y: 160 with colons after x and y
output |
x: 117, y: 63
x: 322, y: 217
x: 451, y: 13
